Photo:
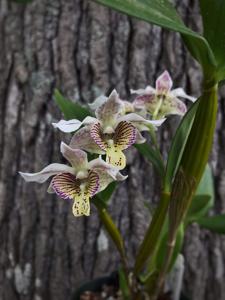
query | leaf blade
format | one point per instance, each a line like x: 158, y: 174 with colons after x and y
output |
x: 213, y: 15
x: 70, y: 109
x: 178, y: 145
x: 162, y: 13
x: 153, y: 156
x: 214, y: 223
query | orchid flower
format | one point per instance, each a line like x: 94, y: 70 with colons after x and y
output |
x: 79, y: 182
x: 111, y: 132
x: 161, y: 101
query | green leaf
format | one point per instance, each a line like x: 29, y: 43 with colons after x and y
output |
x: 213, y: 15
x: 203, y: 199
x: 70, y: 109
x: 178, y: 145
x: 199, y: 207
x: 153, y: 156
x: 163, y: 13
x: 106, y: 194
x: 214, y: 223
x: 206, y: 185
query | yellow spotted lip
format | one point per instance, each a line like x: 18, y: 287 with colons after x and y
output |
x: 122, y: 138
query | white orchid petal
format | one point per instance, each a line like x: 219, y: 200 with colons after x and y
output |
x: 76, y: 157
x: 68, y: 126
x: 178, y: 107
x: 139, y: 138
x: 179, y: 92
x: 146, y: 91
x: 89, y: 120
x: 132, y: 117
x: 164, y: 82
x: 158, y: 122
x: 140, y: 122
x: 47, y: 172
x: 98, y: 102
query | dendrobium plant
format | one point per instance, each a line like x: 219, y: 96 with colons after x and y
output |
x: 161, y: 101
x: 79, y: 182
x: 111, y: 132
x: 118, y: 124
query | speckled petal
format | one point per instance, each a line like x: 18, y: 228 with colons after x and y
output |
x: 116, y: 157
x: 81, y: 206
x: 47, y: 172
x: 125, y: 135
x: 148, y: 101
x: 164, y: 83
x: 96, y: 135
x: 93, y: 183
x: 82, y: 140
x: 173, y: 106
x: 108, y: 112
x: 66, y: 186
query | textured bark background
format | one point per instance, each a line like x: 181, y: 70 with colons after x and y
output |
x: 84, y: 49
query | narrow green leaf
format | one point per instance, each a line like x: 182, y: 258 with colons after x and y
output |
x: 206, y: 185
x: 199, y: 207
x: 214, y: 223
x: 124, y: 285
x: 70, y: 109
x: 178, y: 145
x: 106, y: 194
x: 163, y: 13
x: 203, y: 199
x: 153, y: 156
x: 194, y: 158
x: 213, y: 15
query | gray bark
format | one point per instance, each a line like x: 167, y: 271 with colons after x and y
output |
x: 85, y: 49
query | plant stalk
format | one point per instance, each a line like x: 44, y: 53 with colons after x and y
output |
x: 189, y: 173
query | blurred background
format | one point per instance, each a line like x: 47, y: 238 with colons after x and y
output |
x: 84, y: 50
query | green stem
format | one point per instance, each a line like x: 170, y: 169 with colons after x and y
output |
x: 190, y: 171
x: 155, y: 114
x: 115, y: 236
x: 150, y: 241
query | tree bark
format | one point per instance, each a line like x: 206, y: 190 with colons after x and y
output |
x: 84, y: 49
